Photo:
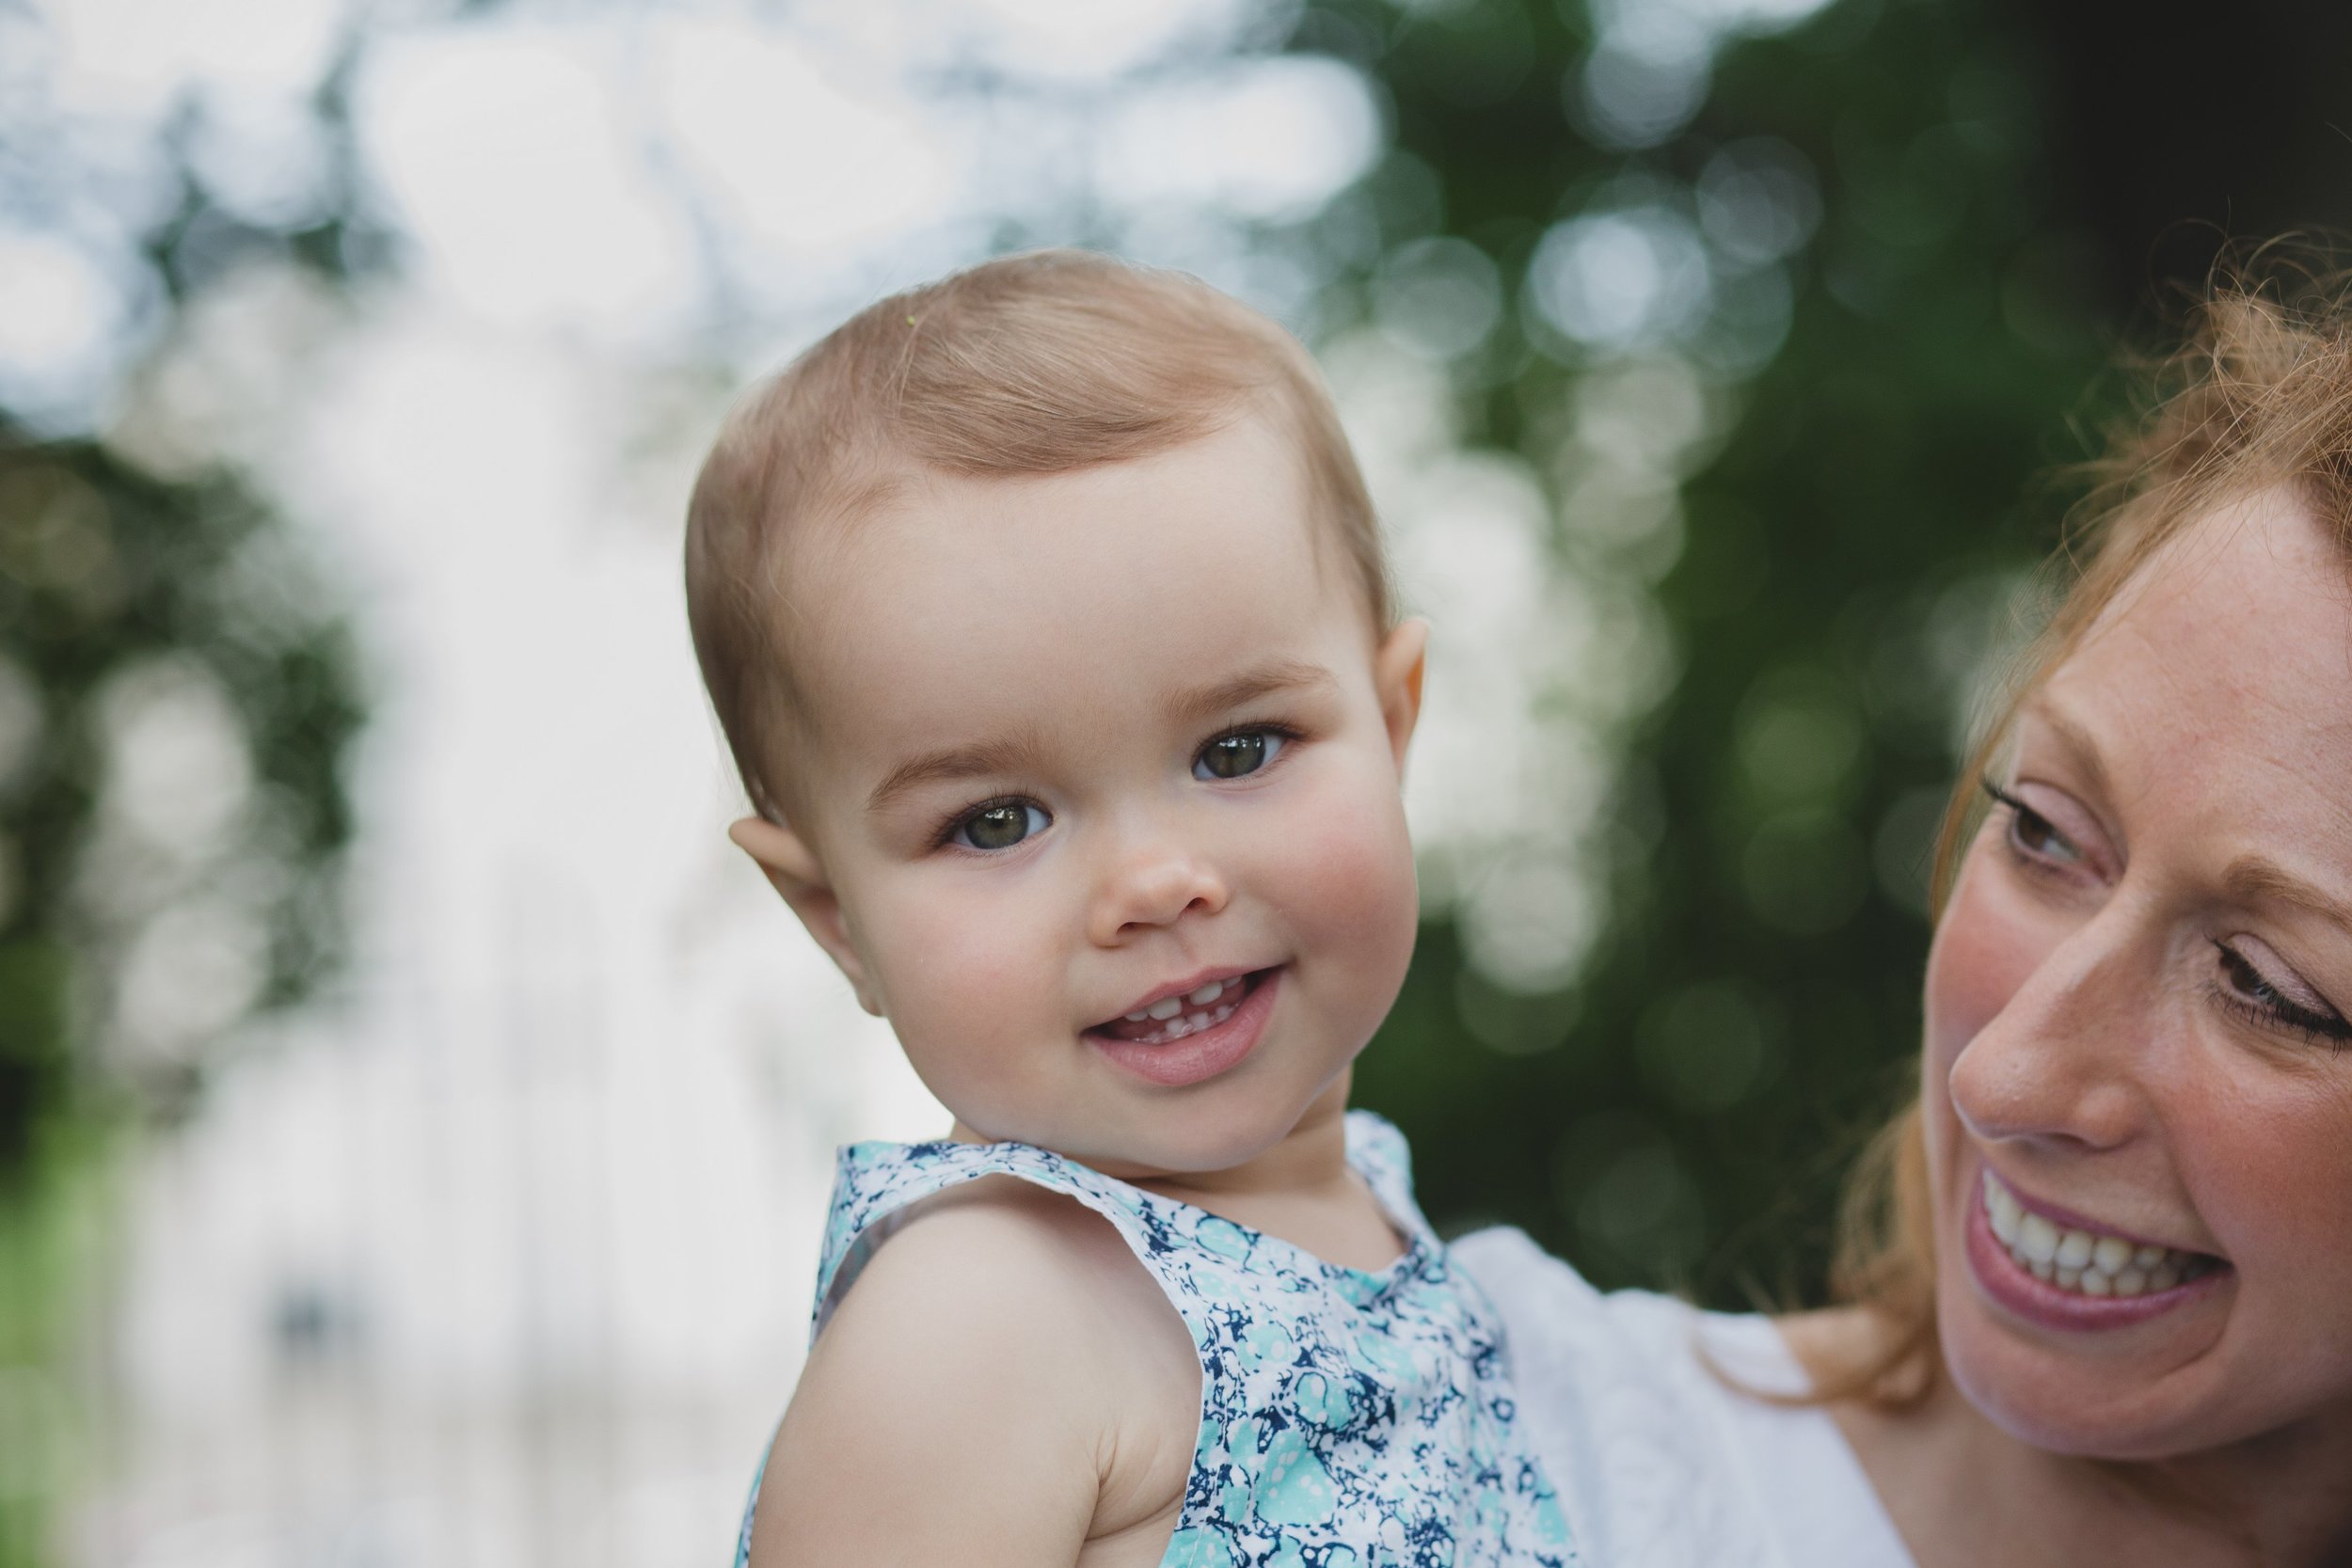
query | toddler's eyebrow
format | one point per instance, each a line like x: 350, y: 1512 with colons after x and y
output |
x: 1213, y: 700
x: 979, y: 760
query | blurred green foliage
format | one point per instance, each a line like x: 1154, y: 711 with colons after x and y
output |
x: 51, y: 1237
x: 1682, y: 1113
x: 114, y: 583
x: 170, y: 614
x: 107, y: 573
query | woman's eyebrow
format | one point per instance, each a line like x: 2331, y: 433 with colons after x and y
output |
x: 2250, y: 880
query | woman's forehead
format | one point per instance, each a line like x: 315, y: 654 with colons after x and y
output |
x: 2229, y: 652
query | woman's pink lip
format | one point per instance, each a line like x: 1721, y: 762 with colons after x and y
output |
x: 2013, y: 1289
x: 1197, y: 1059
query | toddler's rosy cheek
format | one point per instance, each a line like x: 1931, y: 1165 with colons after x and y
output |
x: 1353, y: 868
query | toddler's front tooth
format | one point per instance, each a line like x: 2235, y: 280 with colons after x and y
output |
x: 1165, y: 1008
x: 1207, y: 993
x: 1195, y: 1023
x: 1138, y: 1015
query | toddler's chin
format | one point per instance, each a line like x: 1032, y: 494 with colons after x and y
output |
x: 1194, y: 1146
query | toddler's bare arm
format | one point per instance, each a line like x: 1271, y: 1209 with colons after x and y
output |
x: 1003, y: 1384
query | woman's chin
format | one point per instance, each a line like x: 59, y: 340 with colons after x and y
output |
x: 2105, y: 1399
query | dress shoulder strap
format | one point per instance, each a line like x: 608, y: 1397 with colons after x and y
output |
x: 1379, y: 1153
x: 875, y: 1182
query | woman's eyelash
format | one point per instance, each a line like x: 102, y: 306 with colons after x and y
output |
x: 2328, y: 1028
x: 2320, y: 1028
x: 2022, y: 819
x: 2003, y: 797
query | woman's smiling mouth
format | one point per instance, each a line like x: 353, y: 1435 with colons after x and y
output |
x: 2062, y: 1275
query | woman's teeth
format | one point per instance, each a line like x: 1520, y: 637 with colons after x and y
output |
x: 2081, y: 1260
x: 1178, y: 1015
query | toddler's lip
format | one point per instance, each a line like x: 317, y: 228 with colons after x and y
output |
x: 1188, y: 1049
x: 1183, y: 993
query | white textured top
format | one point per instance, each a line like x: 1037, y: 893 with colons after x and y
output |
x: 1660, y: 1463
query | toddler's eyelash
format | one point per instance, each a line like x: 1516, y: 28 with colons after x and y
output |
x: 944, y: 834
x: 1273, y: 727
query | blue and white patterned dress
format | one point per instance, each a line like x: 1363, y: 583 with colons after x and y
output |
x: 1348, y: 1420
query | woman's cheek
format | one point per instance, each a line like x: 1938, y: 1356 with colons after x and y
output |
x: 1985, y: 950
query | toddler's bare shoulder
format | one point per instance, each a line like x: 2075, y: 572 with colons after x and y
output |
x: 1003, y: 1343
x: 1013, y: 1275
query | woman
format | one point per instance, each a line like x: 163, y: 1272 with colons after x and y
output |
x: 2098, y: 1301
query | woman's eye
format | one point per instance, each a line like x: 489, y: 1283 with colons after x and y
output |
x: 1230, y: 756
x: 2251, y: 988
x: 999, y: 825
x: 2033, y: 834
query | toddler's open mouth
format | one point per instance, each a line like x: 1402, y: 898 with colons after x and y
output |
x: 1173, y: 1017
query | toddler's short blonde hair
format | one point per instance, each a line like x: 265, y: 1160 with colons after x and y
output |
x: 1027, y: 365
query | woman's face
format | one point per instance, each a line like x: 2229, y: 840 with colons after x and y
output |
x: 2137, y: 1012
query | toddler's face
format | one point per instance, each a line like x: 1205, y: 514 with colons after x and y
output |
x: 1103, y: 782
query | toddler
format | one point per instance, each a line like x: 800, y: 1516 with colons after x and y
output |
x: 1045, y: 612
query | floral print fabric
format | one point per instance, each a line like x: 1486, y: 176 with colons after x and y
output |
x: 1348, y: 1419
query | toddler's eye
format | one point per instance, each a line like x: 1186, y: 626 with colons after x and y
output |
x: 999, y: 825
x: 1230, y: 756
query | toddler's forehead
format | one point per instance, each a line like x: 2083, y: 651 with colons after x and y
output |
x: 860, y: 546
x: 942, y: 565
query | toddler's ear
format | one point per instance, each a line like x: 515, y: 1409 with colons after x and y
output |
x: 794, y: 871
x: 1397, y: 670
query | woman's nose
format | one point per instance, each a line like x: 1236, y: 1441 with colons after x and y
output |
x: 1153, y: 885
x: 2064, y: 1059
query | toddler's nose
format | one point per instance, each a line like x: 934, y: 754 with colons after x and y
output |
x: 1152, y: 889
